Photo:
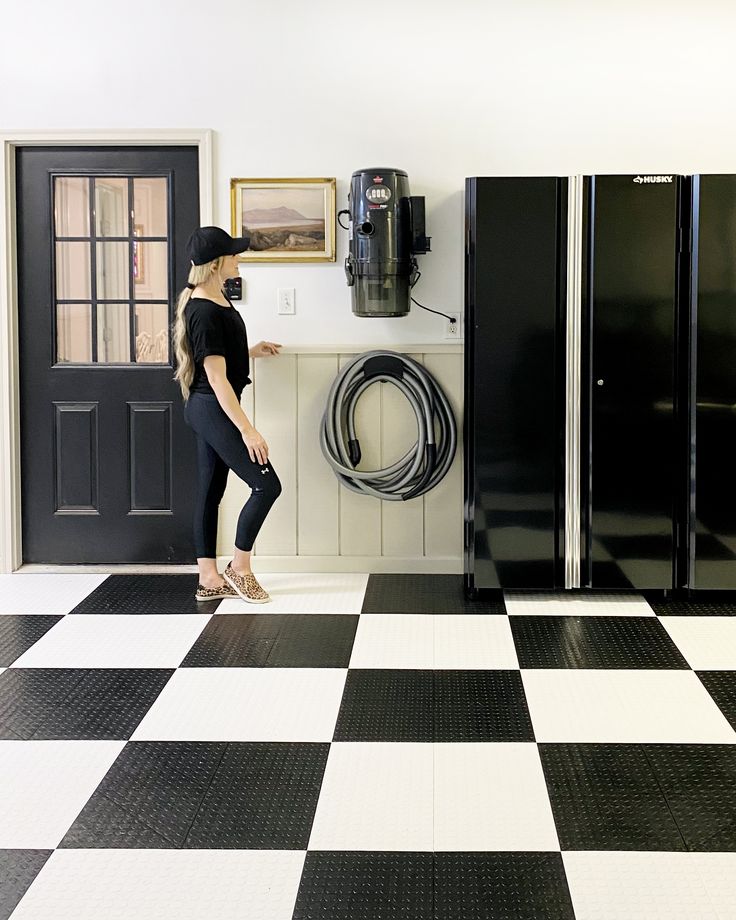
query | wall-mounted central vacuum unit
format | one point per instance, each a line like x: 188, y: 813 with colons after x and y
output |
x: 386, y: 233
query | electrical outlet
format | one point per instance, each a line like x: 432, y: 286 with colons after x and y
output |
x: 285, y: 300
x: 452, y: 330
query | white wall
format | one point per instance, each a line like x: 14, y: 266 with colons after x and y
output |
x: 442, y: 90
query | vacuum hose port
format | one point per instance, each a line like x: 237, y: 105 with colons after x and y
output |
x: 367, y: 228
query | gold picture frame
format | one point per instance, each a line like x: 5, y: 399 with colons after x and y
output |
x: 287, y: 220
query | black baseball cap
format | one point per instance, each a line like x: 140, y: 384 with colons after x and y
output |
x: 208, y: 243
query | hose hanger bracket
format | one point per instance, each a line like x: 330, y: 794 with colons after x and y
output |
x: 383, y: 364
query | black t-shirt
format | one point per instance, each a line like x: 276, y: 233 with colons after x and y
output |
x: 217, y: 330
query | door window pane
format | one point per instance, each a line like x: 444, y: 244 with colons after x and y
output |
x: 152, y: 333
x: 111, y: 206
x: 72, y: 271
x: 113, y: 333
x: 150, y: 270
x: 112, y: 271
x: 74, y: 332
x: 150, y: 206
x: 71, y: 205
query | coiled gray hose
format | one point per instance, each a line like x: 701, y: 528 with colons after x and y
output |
x: 424, y: 464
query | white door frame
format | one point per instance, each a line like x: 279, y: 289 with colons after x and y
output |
x: 11, y: 546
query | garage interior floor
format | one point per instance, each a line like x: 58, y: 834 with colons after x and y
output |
x: 363, y: 748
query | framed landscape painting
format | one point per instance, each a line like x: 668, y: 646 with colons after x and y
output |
x: 287, y: 220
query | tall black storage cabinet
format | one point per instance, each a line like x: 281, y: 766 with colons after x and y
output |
x: 514, y: 300
x: 600, y: 425
x: 712, y: 559
x: 630, y: 321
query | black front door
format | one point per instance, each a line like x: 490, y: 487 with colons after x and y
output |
x: 107, y: 460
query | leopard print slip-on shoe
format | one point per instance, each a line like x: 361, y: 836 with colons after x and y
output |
x: 246, y: 585
x: 211, y: 594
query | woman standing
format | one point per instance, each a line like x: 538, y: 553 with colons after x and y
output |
x: 212, y: 355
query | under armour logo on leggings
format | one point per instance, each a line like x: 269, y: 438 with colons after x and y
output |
x: 265, y: 471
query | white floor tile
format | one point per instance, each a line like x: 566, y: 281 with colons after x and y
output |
x: 49, y: 594
x: 491, y: 797
x: 116, y: 641
x: 298, y: 592
x: 375, y: 796
x: 246, y: 704
x: 155, y: 884
x: 473, y: 641
x: 45, y: 784
x: 707, y: 643
x: 639, y: 886
x: 618, y: 706
x: 394, y: 641
x: 718, y: 872
x: 519, y: 603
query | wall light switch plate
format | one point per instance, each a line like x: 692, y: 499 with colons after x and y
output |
x: 285, y: 300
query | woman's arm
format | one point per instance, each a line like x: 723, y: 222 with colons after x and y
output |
x: 215, y: 368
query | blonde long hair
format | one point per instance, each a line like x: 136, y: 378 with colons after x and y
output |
x: 198, y: 274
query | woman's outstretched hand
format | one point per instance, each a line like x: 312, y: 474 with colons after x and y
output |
x: 262, y: 349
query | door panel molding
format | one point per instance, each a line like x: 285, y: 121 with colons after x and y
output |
x: 11, y: 550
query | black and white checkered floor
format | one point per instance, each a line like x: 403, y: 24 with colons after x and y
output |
x: 364, y: 747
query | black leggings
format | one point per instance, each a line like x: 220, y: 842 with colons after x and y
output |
x: 220, y: 448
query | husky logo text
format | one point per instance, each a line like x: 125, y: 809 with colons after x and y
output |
x: 640, y: 179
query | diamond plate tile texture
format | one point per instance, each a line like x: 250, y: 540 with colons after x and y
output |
x: 55, y: 703
x: 365, y: 886
x: 607, y: 797
x: 19, y: 633
x: 386, y: 705
x: 699, y: 783
x: 594, y: 642
x: 423, y: 594
x: 480, y: 706
x: 262, y: 797
x: 640, y: 886
x: 713, y: 604
x: 146, y: 594
x: 500, y: 886
x: 162, y: 884
x: 414, y: 705
x: 277, y: 641
x: 18, y: 868
x: 204, y: 795
x: 722, y: 687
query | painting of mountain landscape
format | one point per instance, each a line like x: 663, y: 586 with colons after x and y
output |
x: 285, y: 219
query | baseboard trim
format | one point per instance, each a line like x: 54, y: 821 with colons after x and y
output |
x: 372, y: 564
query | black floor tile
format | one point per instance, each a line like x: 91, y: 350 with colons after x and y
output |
x: 607, y: 797
x: 76, y: 703
x: 709, y: 604
x: 204, y: 795
x: 149, y: 797
x: 433, y: 706
x: 146, y: 594
x: 263, y: 797
x: 722, y: 687
x: 19, y: 632
x: 501, y: 886
x: 248, y: 640
x: 18, y: 868
x: 365, y: 886
x: 423, y: 594
x: 386, y: 705
x: 699, y: 783
x: 480, y: 706
x: 594, y: 642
